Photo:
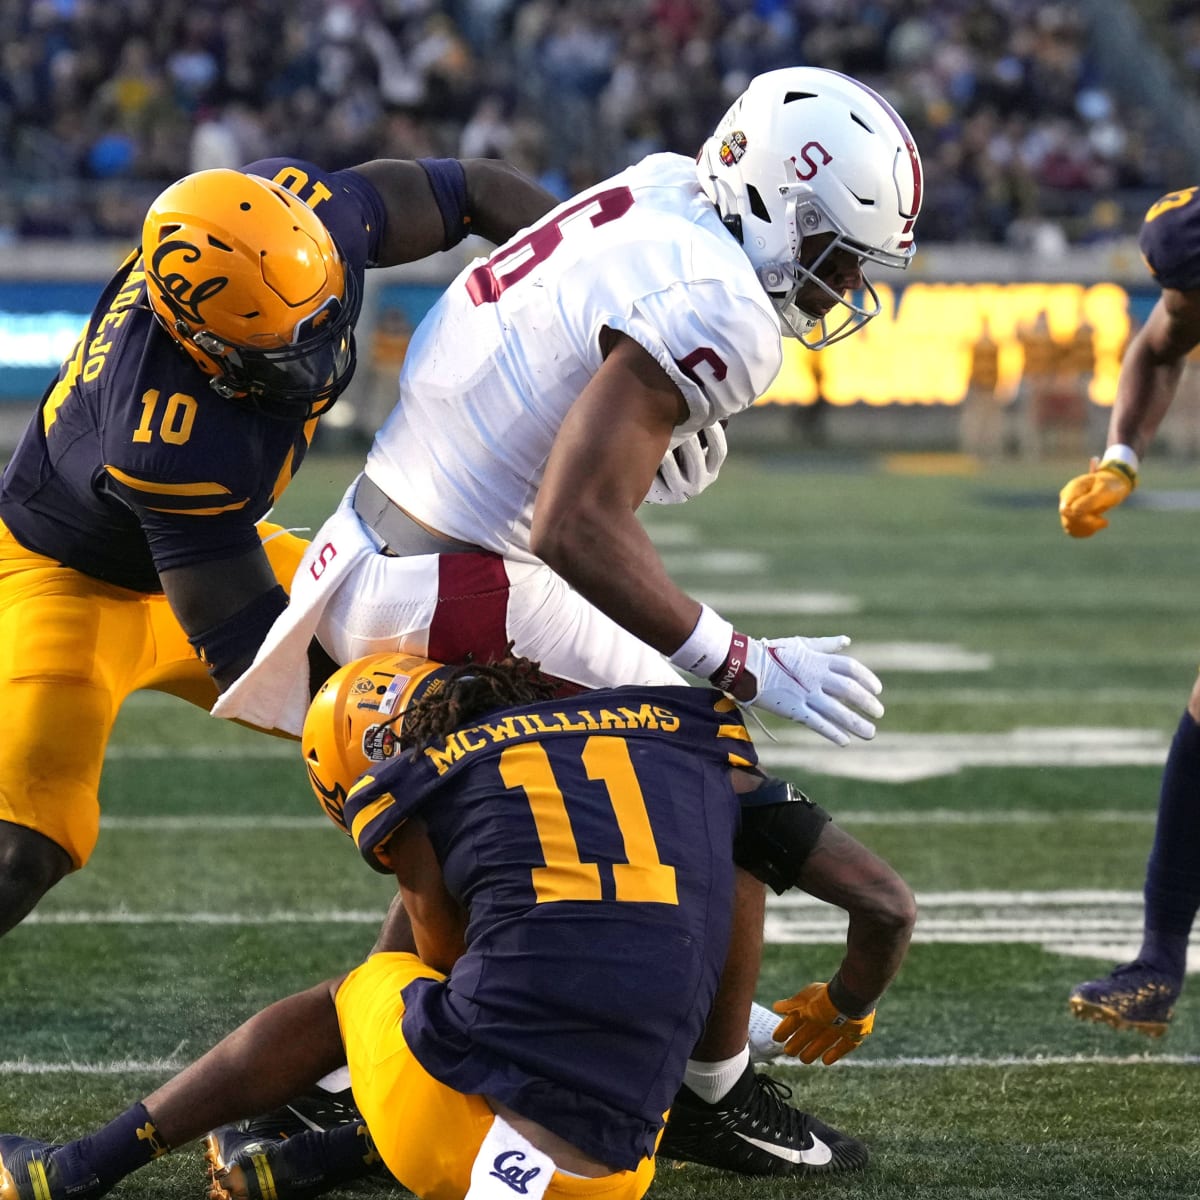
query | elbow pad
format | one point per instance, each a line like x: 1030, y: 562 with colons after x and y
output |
x: 780, y: 826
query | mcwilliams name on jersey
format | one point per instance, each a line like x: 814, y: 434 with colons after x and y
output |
x: 464, y: 742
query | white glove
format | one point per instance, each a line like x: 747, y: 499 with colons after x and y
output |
x: 688, y: 469
x: 806, y: 680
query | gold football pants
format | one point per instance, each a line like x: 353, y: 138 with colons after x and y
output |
x: 71, y: 649
x: 426, y: 1133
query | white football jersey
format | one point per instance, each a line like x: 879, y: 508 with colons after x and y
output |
x: 493, y: 368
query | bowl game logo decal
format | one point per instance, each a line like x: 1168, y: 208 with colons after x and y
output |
x: 379, y: 742
x: 733, y: 147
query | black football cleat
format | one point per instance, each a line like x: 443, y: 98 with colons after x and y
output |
x: 754, y: 1131
x: 292, y: 1153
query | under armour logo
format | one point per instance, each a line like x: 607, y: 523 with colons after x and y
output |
x: 149, y: 1133
x: 513, y: 1176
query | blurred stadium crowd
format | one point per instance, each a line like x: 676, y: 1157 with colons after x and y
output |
x: 102, y: 102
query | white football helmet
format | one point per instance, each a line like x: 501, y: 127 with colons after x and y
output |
x: 806, y: 151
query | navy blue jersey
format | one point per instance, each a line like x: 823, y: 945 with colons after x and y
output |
x: 1170, y: 240
x: 132, y: 463
x: 590, y: 841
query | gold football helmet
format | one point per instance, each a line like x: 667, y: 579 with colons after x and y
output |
x: 353, y: 722
x: 247, y: 279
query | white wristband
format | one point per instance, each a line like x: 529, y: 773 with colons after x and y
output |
x: 707, y: 647
x: 1126, y: 455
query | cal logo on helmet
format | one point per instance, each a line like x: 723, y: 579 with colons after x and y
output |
x: 249, y: 282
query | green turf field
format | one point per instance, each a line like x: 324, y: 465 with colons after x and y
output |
x: 1032, y: 686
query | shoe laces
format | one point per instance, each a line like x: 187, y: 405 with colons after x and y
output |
x: 1137, y: 967
x: 1144, y: 972
x: 767, y: 1108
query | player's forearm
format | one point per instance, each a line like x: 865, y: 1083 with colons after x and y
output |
x: 1144, y: 395
x: 226, y: 608
x: 502, y: 200
x: 609, y: 559
x: 1152, y: 367
x: 876, y: 943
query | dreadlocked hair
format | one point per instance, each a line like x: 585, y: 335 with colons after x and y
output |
x: 472, y: 691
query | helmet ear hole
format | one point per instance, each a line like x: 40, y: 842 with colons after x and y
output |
x: 757, y: 207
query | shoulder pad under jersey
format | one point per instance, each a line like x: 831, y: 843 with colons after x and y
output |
x: 1170, y: 240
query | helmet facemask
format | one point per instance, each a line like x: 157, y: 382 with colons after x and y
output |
x: 784, y: 281
x: 295, y: 381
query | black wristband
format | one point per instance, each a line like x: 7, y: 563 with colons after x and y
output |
x: 845, y: 1001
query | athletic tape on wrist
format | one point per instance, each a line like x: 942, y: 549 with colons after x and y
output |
x: 1120, y: 453
x: 708, y: 646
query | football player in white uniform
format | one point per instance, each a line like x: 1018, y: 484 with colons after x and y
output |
x: 587, y: 365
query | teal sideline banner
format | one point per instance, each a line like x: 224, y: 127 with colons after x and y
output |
x: 918, y: 351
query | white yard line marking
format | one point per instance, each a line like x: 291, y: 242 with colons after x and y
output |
x: 777, y: 602
x: 743, y: 563
x: 242, y: 823
x: 955, y: 1061
x: 905, y: 757
x: 888, y: 758
x: 951, y: 1062
x: 1059, y: 697
x: 1105, y: 925
x: 1072, y: 921
x: 269, y: 748
x: 1082, y: 922
x: 987, y: 898
x: 672, y: 534
x: 925, y: 657
x: 121, y: 1066
x: 1016, y: 816
x: 249, y: 822
x: 121, y: 916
